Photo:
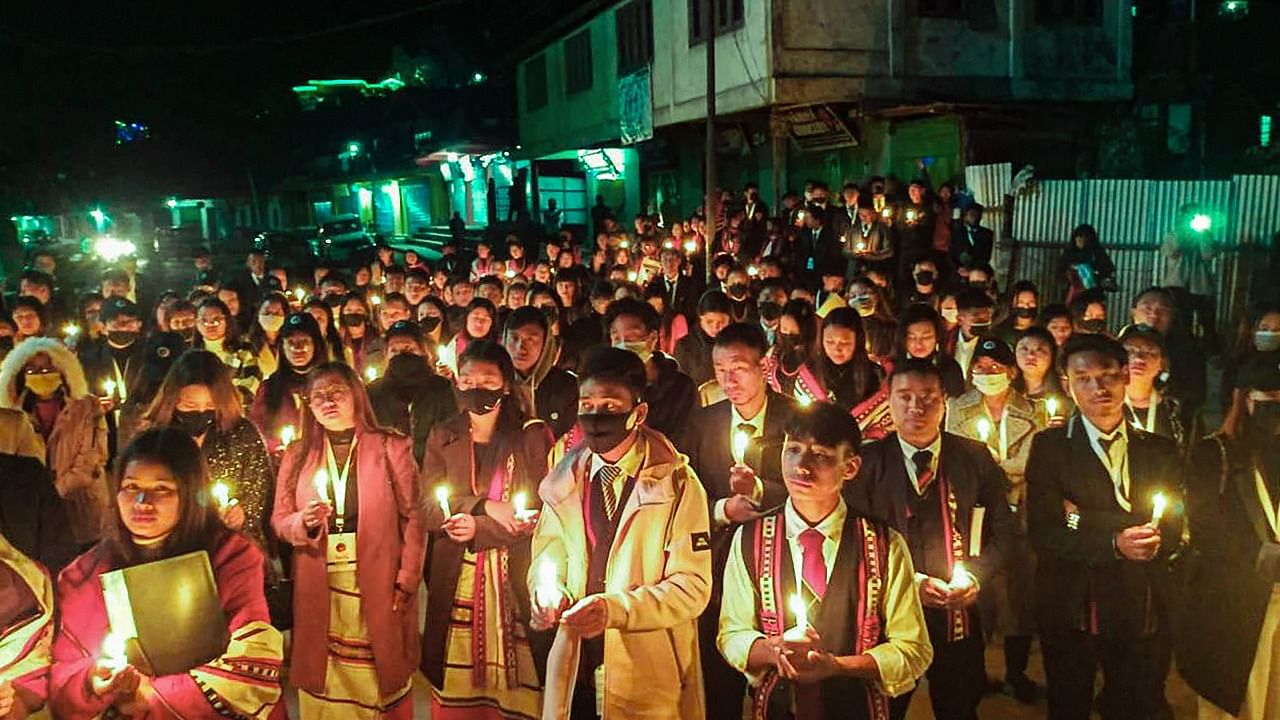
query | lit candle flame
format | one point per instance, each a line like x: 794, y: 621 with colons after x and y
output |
x: 221, y: 494
x: 1158, y: 503
x: 741, y: 441
x: 799, y: 631
x: 109, y: 388
x: 984, y: 429
x: 375, y: 300
x: 371, y: 373
x: 547, y: 590
x: 287, y: 435
x: 691, y: 246
x: 1051, y: 406
x: 752, y: 270
x: 299, y: 293
x: 510, y: 274
x: 960, y: 577
x: 887, y: 213
x: 442, y: 497
x: 804, y: 400
x: 321, y: 482
x: 624, y: 244
x: 521, y: 502
x: 70, y: 330
x: 860, y: 246
x: 446, y: 357
x: 115, y: 652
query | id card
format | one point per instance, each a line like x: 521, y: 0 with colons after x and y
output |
x: 342, y: 550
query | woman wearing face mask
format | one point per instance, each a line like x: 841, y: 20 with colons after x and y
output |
x: 348, y: 501
x: 263, y: 338
x: 163, y: 509
x: 1089, y: 313
x: 1231, y: 654
x: 867, y: 299
x: 42, y: 379
x: 431, y: 320
x: 1024, y: 306
x: 1257, y: 334
x: 997, y: 415
x: 356, y: 332
x: 1147, y: 406
x: 738, y: 289
x: 410, y: 397
x: 220, y: 336
x: 794, y: 346
x: 693, y: 351
x: 478, y: 650
x: 918, y: 335
x: 1038, y: 378
x: 323, y: 315
x: 280, y: 398
x: 198, y: 398
x: 949, y: 311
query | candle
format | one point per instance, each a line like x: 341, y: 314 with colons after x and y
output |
x: 860, y: 246
x: 222, y: 495
x: 691, y: 246
x: 287, y: 434
x: 299, y: 294
x: 752, y: 270
x: 960, y: 577
x: 984, y: 429
x: 911, y: 216
x: 632, y: 276
x: 375, y: 300
x: 115, y: 652
x: 547, y: 590
x: 321, y: 482
x: 1051, y: 406
x: 799, y: 631
x: 521, y: 503
x: 109, y: 388
x: 446, y: 357
x: 70, y: 330
x: 624, y: 244
x: 887, y: 213
x: 804, y: 401
x: 1158, y: 503
x: 741, y: 440
x: 442, y: 497
x: 510, y: 274
x: 370, y: 373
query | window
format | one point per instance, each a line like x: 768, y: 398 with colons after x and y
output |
x: 577, y: 63
x: 729, y: 17
x: 940, y: 8
x: 1049, y: 12
x: 535, y: 83
x: 635, y: 35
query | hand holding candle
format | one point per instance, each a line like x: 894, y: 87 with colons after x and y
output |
x: 321, y: 483
x: 109, y: 388
x: 741, y: 441
x: 961, y: 579
x: 1158, y: 503
x: 547, y: 590
x: 984, y: 429
x: 442, y: 499
x: 115, y: 652
x: 800, y: 631
x: 287, y: 435
x: 221, y: 493
x: 521, y: 503
x: 370, y: 373
x: 1051, y: 407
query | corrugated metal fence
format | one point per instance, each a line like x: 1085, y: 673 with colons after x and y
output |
x: 1132, y: 218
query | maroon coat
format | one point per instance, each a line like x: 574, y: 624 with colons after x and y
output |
x: 390, y: 547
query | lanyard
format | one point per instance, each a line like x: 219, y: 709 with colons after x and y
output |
x: 338, y: 480
x: 1268, y: 507
x: 120, y: 386
x: 1150, y: 425
x: 1002, y: 444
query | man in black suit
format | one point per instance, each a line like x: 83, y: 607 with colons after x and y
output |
x: 679, y: 291
x: 947, y: 496
x: 737, y: 491
x: 971, y: 244
x: 819, y: 247
x: 1101, y: 576
x: 252, y: 282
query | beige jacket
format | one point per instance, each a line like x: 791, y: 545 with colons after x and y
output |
x: 18, y: 437
x: 963, y: 414
x: 658, y: 583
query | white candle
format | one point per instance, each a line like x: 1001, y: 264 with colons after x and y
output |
x: 321, y: 482
x: 375, y: 300
x: 547, y: 591
x: 442, y: 497
x: 521, y: 503
x: 371, y: 373
x: 1158, y: 503
x: 1051, y: 406
x: 221, y: 494
x: 691, y: 246
x: 446, y: 357
x: 799, y: 631
x: 109, y: 388
x: 741, y: 441
x: 984, y: 429
x: 115, y: 652
x: 960, y: 577
x: 287, y: 434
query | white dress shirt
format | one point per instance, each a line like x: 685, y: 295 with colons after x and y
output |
x: 1117, y: 463
x: 718, y: 514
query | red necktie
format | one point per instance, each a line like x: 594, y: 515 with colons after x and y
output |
x: 923, y: 460
x: 814, y: 568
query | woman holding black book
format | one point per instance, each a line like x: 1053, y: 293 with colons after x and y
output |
x: 162, y: 511
x: 347, y: 500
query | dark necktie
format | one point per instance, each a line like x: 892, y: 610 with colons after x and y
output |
x: 923, y: 460
x: 605, y: 476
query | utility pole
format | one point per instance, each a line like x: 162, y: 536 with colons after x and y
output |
x: 711, y: 202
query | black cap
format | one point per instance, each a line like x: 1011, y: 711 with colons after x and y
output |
x: 404, y: 328
x: 997, y: 350
x: 117, y: 306
x: 1142, y: 331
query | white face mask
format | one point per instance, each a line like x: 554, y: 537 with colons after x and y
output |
x: 951, y: 315
x: 640, y: 348
x: 1266, y: 340
x: 271, y: 323
x: 991, y: 385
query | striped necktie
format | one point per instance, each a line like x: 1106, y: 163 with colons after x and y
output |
x: 606, y: 476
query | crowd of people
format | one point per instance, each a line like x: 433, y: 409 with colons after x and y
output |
x: 838, y: 461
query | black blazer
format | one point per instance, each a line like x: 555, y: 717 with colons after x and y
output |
x: 686, y: 294
x: 881, y: 488
x: 1063, y: 467
x: 971, y: 254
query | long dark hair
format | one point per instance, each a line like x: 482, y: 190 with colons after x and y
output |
x: 1051, y: 379
x: 312, y: 431
x: 232, y: 341
x: 258, y: 336
x: 803, y: 313
x: 198, y: 528
x: 287, y: 379
x: 866, y: 378
x: 508, y: 435
x: 196, y: 367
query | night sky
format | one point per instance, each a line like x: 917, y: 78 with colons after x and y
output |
x: 211, y: 79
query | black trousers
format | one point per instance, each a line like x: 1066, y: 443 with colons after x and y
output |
x: 1133, y: 671
x: 724, y: 686
x: 957, y: 678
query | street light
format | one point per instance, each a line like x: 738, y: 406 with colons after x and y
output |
x: 172, y: 203
x: 1201, y: 222
x: 354, y: 147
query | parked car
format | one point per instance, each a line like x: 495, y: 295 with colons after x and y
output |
x: 344, y: 240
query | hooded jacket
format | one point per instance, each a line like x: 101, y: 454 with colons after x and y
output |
x: 76, y: 450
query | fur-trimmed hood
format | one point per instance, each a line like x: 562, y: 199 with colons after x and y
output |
x: 63, y: 359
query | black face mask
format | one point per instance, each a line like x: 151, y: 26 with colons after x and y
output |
x: 429, y: 323
x: 188, y: 335
x: 770, y: 311
x: 194, y: 423
x: 604, y: 431
x: 738, y: 290
x: 406, y: 369
x: 924, y: 277
x: 1025, y: 313
x: 122, y: 337
x: 334, y: 301
x: 1094, y: 326
x: 479, y: 400
x: 354, y: 320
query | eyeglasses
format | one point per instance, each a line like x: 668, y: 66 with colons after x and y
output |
x: 1142, y: 354
x: 336, y: 394
x: 213, y: 321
